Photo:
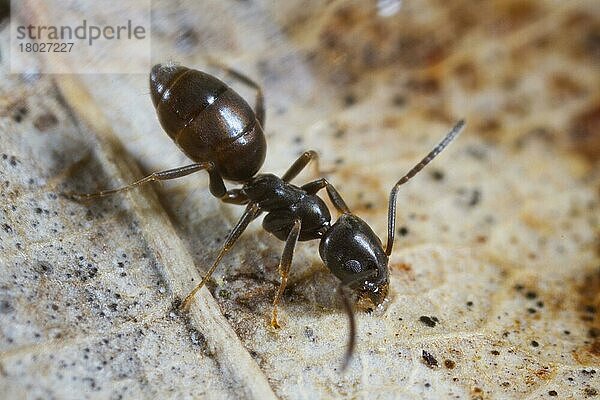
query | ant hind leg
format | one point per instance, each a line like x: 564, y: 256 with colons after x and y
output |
x: 233, y: 236
x: 217, y: 186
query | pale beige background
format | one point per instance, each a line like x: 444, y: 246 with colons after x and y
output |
x: 503, y: 228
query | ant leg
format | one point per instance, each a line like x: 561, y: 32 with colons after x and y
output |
x: 284, y: 267
x: 339, y: 203
x: 259, y: 105
x: 217, y: 186
x: 415, y: 170
x: 233, y: 236
x: 300, y: 164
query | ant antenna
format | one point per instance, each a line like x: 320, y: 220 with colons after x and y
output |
x: 342, y: 289
x: 394, y: 193
x: 352, y: 321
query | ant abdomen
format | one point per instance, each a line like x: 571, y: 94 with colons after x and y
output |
x: 208, y: 120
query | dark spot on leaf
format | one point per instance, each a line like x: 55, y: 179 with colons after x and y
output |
x: 427, y: 321
x: 429, y: 360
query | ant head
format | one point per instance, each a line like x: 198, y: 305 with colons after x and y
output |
x: 353, y: 253
x: 374, y: 289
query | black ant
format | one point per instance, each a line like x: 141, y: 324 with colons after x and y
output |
x: 217, y: 129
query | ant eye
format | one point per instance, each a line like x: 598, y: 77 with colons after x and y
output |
x: 353, y: 265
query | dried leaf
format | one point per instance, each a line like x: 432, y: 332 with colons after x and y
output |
x: 494, y: 279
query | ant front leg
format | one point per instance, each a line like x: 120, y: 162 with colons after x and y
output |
x: 284, y: 267
x: 335, y: 197
x: 259, y: 105
x: 217, y: 186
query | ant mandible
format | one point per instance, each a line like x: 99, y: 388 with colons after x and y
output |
x: 217, y: 129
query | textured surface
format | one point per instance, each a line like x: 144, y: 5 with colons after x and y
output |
x: 495, y: 279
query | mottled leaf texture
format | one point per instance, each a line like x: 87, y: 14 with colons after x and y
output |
x: 495, y: 275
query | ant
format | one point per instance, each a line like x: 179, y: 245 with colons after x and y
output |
x: 216, y: 128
